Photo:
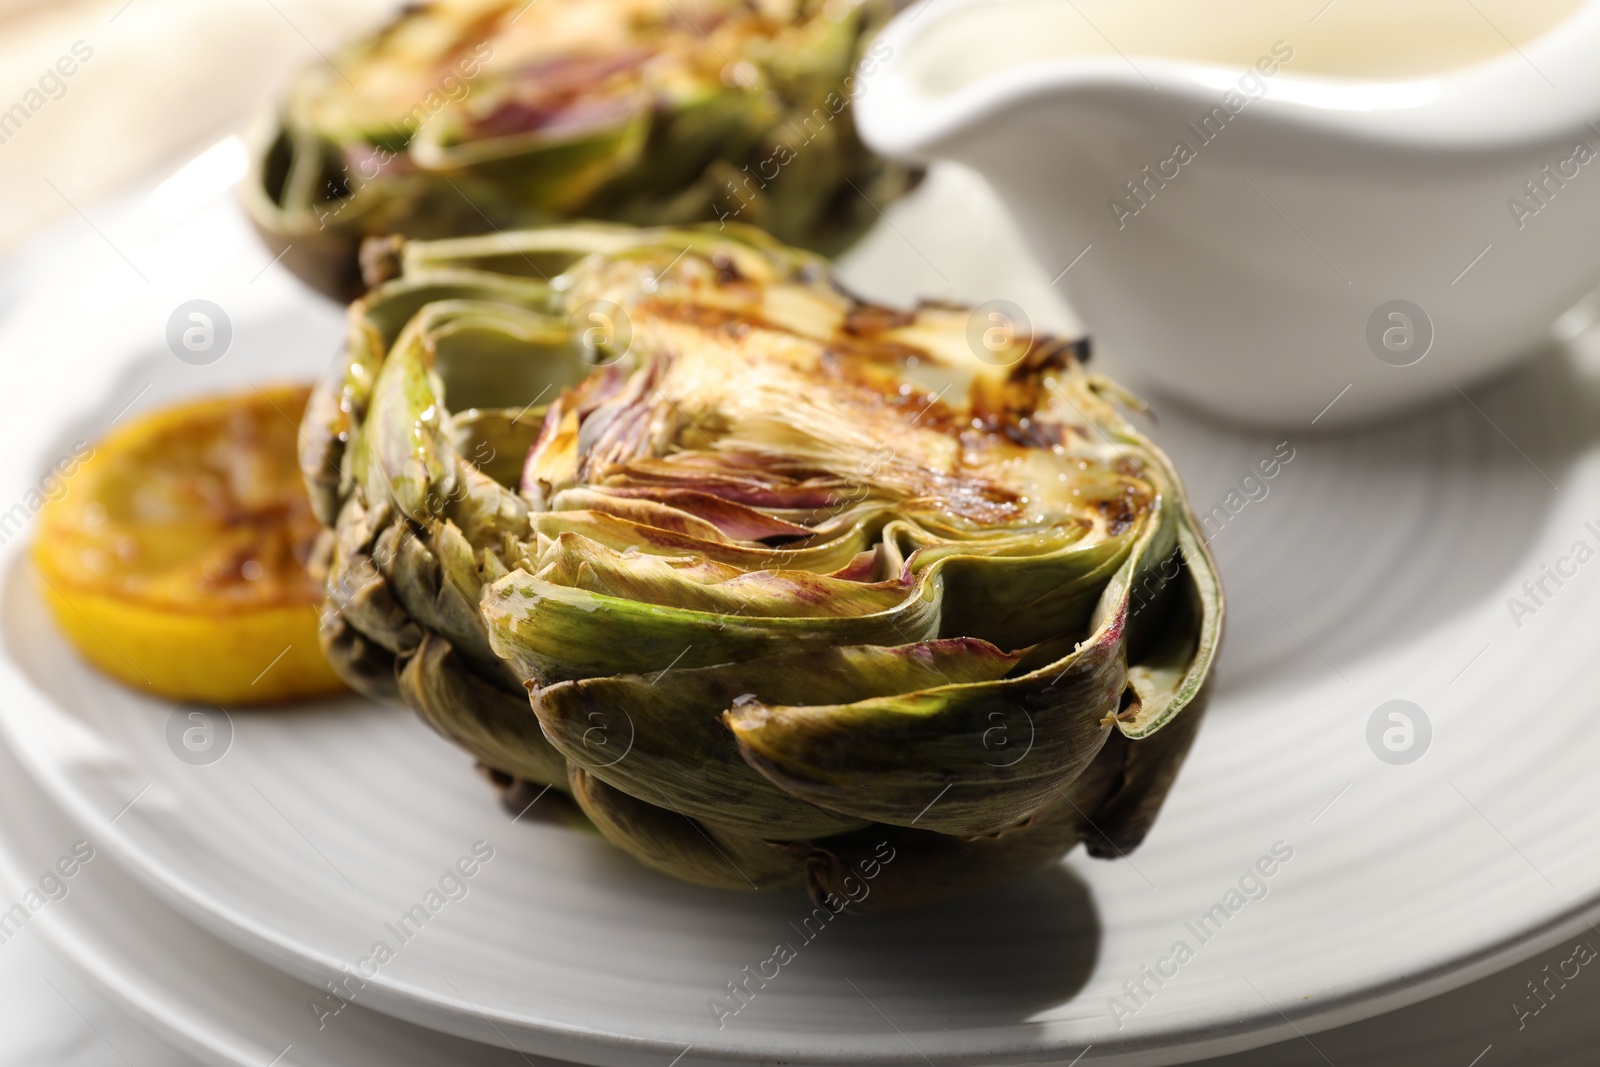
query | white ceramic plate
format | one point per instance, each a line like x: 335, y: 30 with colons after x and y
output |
x: 206, y: 997
x: 1375, y: 568
x: 203, y: 995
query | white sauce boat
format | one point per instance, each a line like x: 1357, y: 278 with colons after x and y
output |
x: 1315, y: 239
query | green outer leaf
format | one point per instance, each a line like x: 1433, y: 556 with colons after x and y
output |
x: 357, y: 589
x: 964, y: 759
x: 662, y: 738
x: 621, y: 534
x: 413, y: 572
x: 543, y: 253
x: 675, y: 844
x: 543, y: 173
x: 886, y: 868
x: 930, y: 757
x: 1016, y: 602
x: 552, y: 633
x: 1170, y: 678
x: 411, y: 459
x: 496, y: 440
x: 406, y: 442
x: 387, y: 309
x: 488, y: 514
x: 699, y: 585
x: 1146, y: 769
x: 489, y: 722
x: 365, y: 666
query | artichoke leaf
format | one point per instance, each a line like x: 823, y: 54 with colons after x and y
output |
x: 513, y: 256
x: 411, y: 459
x: 732, y: 520
x: 888, y: 868
x: 483, y: 510
x: 365, y: 666
x: 1186, y: 613
x: 1018, y: 602
x: 325, y: 428
x: 537, y: 171
x: 1145, y: 771
x: 662, y: 735
x: 674, y: 844
x: 638, y: 513
x: 496, y: 440
x: 411, y: 453
x: 697, y: 584
x: 965, y: 759
x: 357, y: 588
x: 489, y: 722
x: 824, y: 556
x: 391, y: 306
x: 433, y: 577
x: 550, y: 632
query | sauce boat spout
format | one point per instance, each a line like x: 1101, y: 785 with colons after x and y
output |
x: 1271, y: 242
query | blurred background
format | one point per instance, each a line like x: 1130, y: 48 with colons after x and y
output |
x: 163, y: 79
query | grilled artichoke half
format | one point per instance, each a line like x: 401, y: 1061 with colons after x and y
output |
x: 792, y: 581
x: 465, y: 116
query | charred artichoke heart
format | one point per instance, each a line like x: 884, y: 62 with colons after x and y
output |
x: 791, y: 580
x: 467, y: 116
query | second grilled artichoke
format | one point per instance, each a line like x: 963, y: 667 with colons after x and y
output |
x: 467, y: 116
x: 781, y: 586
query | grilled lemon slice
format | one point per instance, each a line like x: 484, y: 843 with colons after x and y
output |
x: 176, y: 559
